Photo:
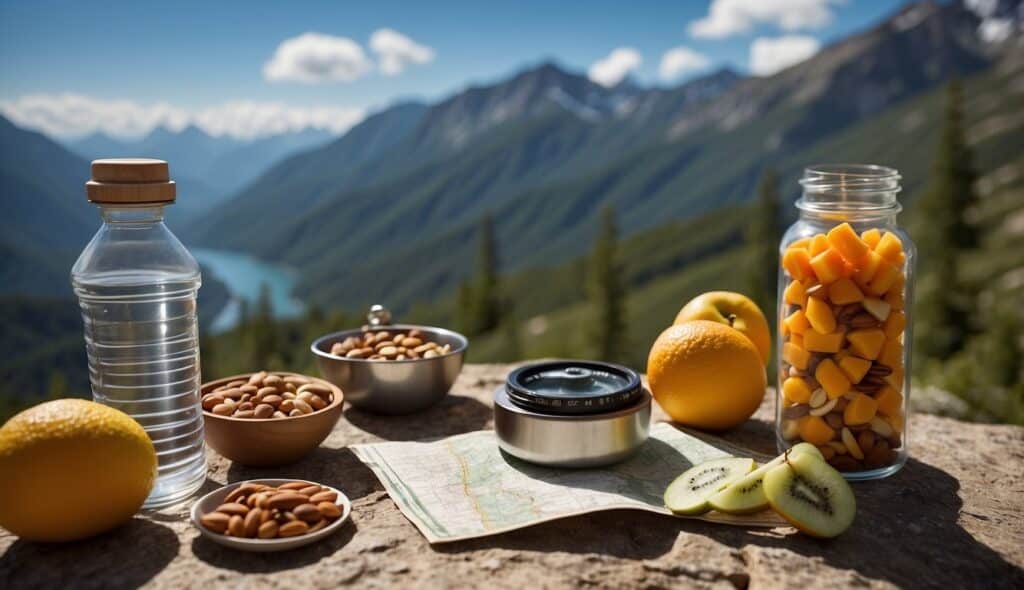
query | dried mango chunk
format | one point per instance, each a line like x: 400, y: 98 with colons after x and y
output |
x: 891, y: 354
x: 895, y: 379
x: 797, y: 263
x: 795, y: 355
x: 889, y: 401
x: 796, y: 390
x: 829, y: 266
x: 854, y: 367
x: 867, y: 344
x: 815, y: 430
x: 819, y: 244
x: 844, y: 240
x: 869, y: 266
x: 894, y: 297
x: 820, y: 315
x: 860, y: 410
x: 797, y: 322
x: 844, y: 291
x: 801, y: 243
x: 894, y: 325
x: 831, y: 378
x: 795, y: 294
x: 871, y: 237
x: 885, y: 277
x: 890, y: 248
x: 830, y: 343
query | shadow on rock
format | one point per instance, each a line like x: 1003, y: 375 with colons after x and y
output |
x: 92, y: 563
x: 180, y: 511
x: 455, y: 414
x: 906, y: 532
x: 338, y: 468
x: 625, y: 534
x: 241, y: 561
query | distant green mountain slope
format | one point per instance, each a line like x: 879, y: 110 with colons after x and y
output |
x: 544, y: 150
x: 668, y: 266
x: 46, y: 219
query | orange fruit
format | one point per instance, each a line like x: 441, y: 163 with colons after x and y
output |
x: 706, y: 374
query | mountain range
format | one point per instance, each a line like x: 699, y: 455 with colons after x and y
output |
x: 207, y: 169
x: 389, y: 212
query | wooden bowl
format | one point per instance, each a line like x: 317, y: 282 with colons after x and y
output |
x: 272, y: 441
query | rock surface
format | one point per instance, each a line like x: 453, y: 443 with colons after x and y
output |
x: 952, y: 518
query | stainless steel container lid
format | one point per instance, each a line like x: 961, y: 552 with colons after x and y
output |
x: 573, y: 387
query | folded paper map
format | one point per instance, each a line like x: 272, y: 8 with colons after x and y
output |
x: 464, y: 487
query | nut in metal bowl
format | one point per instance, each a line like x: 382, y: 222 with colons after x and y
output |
x: 393, y: 387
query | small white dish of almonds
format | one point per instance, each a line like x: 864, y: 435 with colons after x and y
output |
x: 265, y: 515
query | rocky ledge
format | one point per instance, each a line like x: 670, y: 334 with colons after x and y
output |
x: 952, y: 518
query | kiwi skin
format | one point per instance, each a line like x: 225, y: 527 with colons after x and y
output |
x: 802, y: 527
x: 763, y: 469
x: 701, y: 508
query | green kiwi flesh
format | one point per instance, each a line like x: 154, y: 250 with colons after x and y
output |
x: 811, y: 495
x: 746, y: 495
x: 689, y: 493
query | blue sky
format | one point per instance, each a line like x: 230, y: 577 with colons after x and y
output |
x: 183, y: 58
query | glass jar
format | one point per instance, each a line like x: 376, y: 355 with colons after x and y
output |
x: 845, y: 287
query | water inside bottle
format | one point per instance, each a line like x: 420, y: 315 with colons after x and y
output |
x: 143, y: 346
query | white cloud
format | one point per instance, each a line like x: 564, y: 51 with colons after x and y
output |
x: 68, y: 114
x: 248, y: 119
x: 680, y: 60
x: 611, y: 70
x: 314, y: 58
x: 769, y: 55
x: 396, y: 51
x: 729, y: 17
x: 71, y: 115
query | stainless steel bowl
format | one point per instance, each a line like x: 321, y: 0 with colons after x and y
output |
x: 392, y: 387
x: 580, y: 440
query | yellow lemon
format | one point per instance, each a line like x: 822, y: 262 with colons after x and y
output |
x: 71, y: 469
x: 706, y: 374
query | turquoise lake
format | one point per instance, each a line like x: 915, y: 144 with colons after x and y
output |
x: 243, y: 275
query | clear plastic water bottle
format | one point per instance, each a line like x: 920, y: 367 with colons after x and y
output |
x: 137, y: 286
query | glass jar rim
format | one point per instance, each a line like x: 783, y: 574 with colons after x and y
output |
x: 849, y: 187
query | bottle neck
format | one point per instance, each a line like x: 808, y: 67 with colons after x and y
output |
x: 850, y: 192
x: 132, y: 214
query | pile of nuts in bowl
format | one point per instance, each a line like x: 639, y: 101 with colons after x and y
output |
x: 258, y: 511
x: 264, y: 395
x: 385, y: 345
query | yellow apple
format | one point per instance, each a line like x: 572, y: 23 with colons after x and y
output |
x: 731, y: 309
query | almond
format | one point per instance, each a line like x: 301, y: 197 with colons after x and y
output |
x: 293, y: 529
x: 215, y: 521
x: 287, y: 500
x: 268, y: 530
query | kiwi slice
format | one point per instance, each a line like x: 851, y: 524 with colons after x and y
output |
x: 689, y: 493
x: 746, y: 495
x: 811, y: 495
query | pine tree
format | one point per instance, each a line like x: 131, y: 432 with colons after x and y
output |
x: 606, y: 292
x: 464, y: 312
x: 57, y: 387
x: 762, y: 236
x: 945, y: 301
x: 262, y: 329
x: 486, y: 300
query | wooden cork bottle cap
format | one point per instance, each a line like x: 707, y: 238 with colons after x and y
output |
x: 130, y: 181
